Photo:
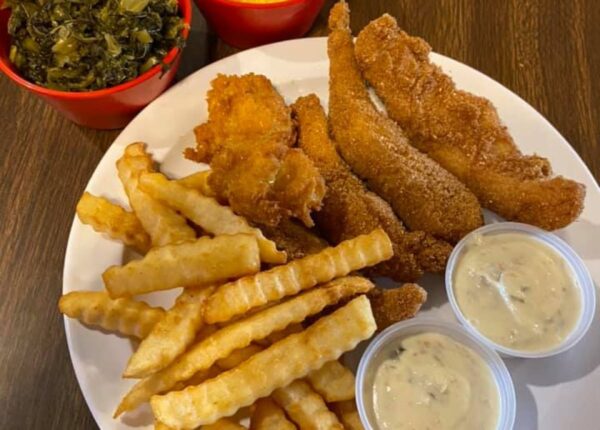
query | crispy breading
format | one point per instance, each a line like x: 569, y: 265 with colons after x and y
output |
x: 461, y: 131
x: 295, y: 239
x: 349, y: 209
x: 247, y: 141
x: 396, y: 304
x: 424, y: 195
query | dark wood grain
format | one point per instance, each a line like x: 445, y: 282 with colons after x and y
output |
x: 545, y: 51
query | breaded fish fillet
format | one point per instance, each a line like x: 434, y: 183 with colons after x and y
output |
x: 424, y: 195
x: 295, y: 239
x: 461, y: 131
x: 247, y: 141
x: 396, y: 304
x: 350, y: 210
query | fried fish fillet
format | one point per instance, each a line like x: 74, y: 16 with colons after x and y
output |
x: 424, y: 195
x: 396, y: 304
x: 295, y: 239
x: 247, y: 141
x: 350, y: 210
x: 461, y: 131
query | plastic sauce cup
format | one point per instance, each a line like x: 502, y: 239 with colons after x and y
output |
x: 578, y: 268
x: 375, y: 355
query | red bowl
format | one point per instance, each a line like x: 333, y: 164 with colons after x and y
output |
x: 245, y: 25
x: 109, y: 108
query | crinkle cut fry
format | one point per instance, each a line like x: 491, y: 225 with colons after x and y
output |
x: 275, y: 367
x: 240, y: 296
x: 267, y: 415
x: 124, y: 316
x: 239, y: 335
x: 334, y: 382
x: 348, y: 414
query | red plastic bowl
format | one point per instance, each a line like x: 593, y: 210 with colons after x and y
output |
x: 245, y: 25
x: 103, y: 109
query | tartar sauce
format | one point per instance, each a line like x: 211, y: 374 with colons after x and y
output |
x: 433, y: 382
x: 517, y: 291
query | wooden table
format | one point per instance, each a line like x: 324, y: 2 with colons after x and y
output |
x: 545, y: 51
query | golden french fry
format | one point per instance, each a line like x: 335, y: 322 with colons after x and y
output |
x: 206, y: 212
x: 161, y: 426
x: 238, y: 356
x: 163, y: 224
x: 191, y: 264
x: 241, y: 333
x: 124, y: 316
x: 334, y: 382
x: 198, y: 181
x: 260, y: 375
x: 305, y: 407
x: 267, y: 415
x: 348, y: 414
x: 113, y: 220
x: 238, y: 297
x: 278, y: 335
x: 171, y: 335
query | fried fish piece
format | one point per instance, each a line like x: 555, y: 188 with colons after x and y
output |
x: 295, y: 239
x: 396, y: 304
x: 248, y: 141
x: 424, y: 195
x: 461, y: 131
x: 349, y: 209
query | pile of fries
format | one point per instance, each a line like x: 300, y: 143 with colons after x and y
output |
x: 236, y: 336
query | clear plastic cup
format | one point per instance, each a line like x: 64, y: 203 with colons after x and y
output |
x: 578, y: 268
x: 376, y: 354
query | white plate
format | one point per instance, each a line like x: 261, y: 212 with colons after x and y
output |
x: 554, y: 393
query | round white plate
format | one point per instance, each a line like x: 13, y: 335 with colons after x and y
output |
x: 554, y: 393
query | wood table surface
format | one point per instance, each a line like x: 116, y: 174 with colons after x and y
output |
x: 544, y: 50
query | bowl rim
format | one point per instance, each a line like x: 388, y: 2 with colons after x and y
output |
x: 580, y: 271
x: 241, y: 4
x: 8, y: 69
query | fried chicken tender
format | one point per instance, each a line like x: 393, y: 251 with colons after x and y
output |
x: 461, y: 131
x: 350, y: 210
x: 396, y: 304
x: 424, y: 195
x: 247, y: 141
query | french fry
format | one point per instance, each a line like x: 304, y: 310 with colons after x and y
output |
x: 305, y: 407
x: 238, y: 356
x: 170, y: 336
x: 260, y: 375
x: 334, y: 382
x: 240, y: 296
x: 191, y: 264
x: 111, y: 219
x: 241, y: 333
x: 267, y: 415
x: 163, y: 224
x: 206, y: 212
x: 348, y: 414
x: 124, y: 316
x: 198, y: 181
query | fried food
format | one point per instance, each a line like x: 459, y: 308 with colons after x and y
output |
x: 247, y: 142
x: 424, y: 195
x: 461, y: 131
x: 238, y: 356
x: 124, y: 316
x: 267, y: 415
x: 348, y: 414
x: 305, y: 407
x: 349, y: 209
x: 198, y: 181
x: 240, y: 296
x: 171, y: 335
x: 203, y: 262
x: 241, y: 333
x: 206, y: 212
x: 113, y: 220
x: 396, y: 304
x: 164, y: 225
x: 295, y: 239
x: 223, y: 424
x: 333, y: 381
x: 268, y: 370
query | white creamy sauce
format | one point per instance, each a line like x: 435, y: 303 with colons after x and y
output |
x: 433, y: 382
x: 517, y: 291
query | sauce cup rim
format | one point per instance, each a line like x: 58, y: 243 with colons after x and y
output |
x: 578, y: 267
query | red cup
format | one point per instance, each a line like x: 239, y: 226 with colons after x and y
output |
x: 245, y: 25
x: 109, y: 108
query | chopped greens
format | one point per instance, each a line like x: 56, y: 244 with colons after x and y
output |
x: 85, y: 45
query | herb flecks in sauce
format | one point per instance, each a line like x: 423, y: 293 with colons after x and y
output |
x: 84, y: 45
